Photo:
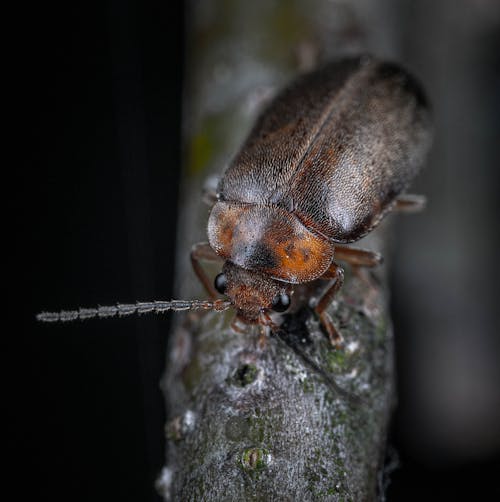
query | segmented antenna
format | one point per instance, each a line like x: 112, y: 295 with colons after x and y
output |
x: 125, y: 309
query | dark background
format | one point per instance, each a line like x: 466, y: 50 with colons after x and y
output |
x: 100, y: 102
x: 98, y: 95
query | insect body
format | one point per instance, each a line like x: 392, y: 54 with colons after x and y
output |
x: 327, y: 160
x: 321, y: 168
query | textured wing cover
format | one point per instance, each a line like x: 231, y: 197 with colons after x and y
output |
x: 335, y: 148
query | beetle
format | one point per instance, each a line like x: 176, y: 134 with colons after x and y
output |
x: 327, y: 160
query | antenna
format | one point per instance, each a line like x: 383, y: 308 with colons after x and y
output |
x: 126, y: 309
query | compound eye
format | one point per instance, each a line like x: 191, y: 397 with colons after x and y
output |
x: 281, y: 302
x: 220, y: 283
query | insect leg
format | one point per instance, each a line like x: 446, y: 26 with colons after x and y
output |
x: 203, y: 251
x: 410, y: 203
x: 359, y: 260
x: 358, y: 257
x: 337, y: 274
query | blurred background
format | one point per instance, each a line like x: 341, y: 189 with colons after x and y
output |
x: 98, y: 107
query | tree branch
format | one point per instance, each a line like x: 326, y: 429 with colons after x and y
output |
x: 295, y: 419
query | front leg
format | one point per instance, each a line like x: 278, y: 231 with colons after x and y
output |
x: 199, y: 252
x: 356, y: 258
x: 335, y: 273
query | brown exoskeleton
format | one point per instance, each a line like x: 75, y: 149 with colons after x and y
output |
x: 327, y: 160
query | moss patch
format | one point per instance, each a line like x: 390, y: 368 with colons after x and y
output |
x: 244, y: 375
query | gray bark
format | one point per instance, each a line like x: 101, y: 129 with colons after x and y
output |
x: 294, y: 419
